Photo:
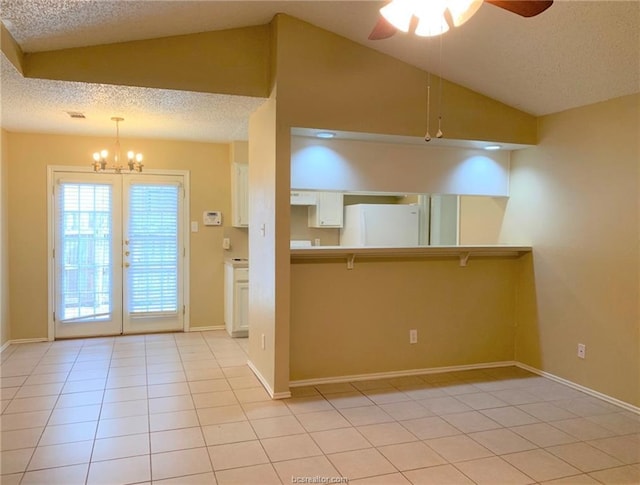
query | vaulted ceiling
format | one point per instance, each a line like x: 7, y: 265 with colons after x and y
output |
x: 575, y: 53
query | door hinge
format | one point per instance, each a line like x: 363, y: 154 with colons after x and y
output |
x: 54, y: 316
x: 184, y: 309
x: 54, y: 253
x: 184, y: 252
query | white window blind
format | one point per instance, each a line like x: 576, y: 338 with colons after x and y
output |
x: 153, y: 247
x: 85, y: 225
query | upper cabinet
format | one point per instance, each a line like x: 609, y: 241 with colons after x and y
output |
x: 303, y: 197
x: 328, y: 211
x: 240, y: 194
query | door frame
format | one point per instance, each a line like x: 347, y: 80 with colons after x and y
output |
x: 51, y: 170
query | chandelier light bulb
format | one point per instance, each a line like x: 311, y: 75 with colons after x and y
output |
x: 104, y: 154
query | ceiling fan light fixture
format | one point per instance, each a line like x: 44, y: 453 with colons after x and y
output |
x: 431, y: 26
x: 462, y: 10
x: 433, y: 18
x: 399, y: 13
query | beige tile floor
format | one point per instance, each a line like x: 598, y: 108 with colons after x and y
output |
x: 186, y: 409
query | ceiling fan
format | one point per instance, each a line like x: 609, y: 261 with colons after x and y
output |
x: 434, y: 17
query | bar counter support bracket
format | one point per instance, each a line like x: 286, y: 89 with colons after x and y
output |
x: 350, y: 259
x: 464, y: 258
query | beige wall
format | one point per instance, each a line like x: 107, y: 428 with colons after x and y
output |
x: 481, y: 219
x: 268, y: 252
x: 327, y: 81
x: 324, y: 80
x: 575, y: 199
x: 234, y: 61
x: 5, y: 330
x: 349, y: 322
x: 29, y: 156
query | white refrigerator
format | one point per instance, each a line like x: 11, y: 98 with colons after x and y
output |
x: 394, y: 225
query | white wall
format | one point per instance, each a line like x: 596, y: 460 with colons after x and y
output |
x: 350, y: 165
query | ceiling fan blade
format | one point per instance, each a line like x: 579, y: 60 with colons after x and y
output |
x: 524, y: 8
x: 382, y: 30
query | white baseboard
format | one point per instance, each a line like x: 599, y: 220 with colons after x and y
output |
x: 28, y: 340
x: 438, y: 370
x: 399, y: 373
x: 578, y: 387
x: 19, y: 341
x: 266, y: 385
x: 206, y: 329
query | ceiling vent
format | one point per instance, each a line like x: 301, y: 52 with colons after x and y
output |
x: 76, y: 115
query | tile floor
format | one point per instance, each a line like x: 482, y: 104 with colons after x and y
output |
x: 185, y: 409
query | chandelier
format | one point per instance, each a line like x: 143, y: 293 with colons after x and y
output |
x: 134, y: 160
x: 434, y: 17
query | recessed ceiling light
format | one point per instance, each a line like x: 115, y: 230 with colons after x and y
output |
x: 492, y: 147
x: 325, y: 134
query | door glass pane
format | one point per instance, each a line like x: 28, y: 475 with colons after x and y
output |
x: 84, y: 263
x: 153, y: 249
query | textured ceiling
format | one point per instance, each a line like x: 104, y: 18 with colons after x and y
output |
x: 575, y: 53
x: 36, y: 105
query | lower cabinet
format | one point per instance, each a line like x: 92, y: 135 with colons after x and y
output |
x: 236, y: 299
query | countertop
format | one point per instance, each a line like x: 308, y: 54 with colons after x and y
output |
x: 237, y: 262
x: 463, y: 252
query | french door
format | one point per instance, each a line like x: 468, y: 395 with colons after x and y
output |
x: 119, y: 248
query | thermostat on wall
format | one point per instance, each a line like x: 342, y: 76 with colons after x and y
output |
x: 212, y: 218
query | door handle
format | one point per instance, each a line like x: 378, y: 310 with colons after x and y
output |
x: 126, y: 265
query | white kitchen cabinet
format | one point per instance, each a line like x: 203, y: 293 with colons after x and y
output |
x: 303, y: 197
x: 240, y: 195
x: 236, y: 298
x: 328, y: 211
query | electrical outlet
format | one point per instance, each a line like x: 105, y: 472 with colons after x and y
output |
x: 413, y: 336
x: 582, y: 349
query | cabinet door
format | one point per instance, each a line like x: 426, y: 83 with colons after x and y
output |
x: 242, y: 307
x: 303, y: 197
x: 228, y: 298
x: 328, y: 211
x: 240, y: 195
